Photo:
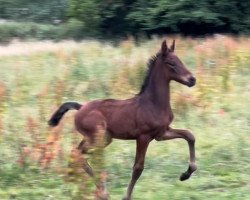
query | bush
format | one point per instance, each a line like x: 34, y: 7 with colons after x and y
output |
x: 10, y: 30
x: 71, y: 29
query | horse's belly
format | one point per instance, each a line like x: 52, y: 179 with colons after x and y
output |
x: 123, y: 133
x: 134, y: 133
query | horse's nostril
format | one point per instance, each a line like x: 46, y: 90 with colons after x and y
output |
x: 192, y: 81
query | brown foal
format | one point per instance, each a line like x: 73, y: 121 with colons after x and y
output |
x: 145, y: 117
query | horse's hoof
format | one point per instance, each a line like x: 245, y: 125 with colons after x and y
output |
x: 184, y: 176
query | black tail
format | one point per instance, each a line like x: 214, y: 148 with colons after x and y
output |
x: 57, y: 116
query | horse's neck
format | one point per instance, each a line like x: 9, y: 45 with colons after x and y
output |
x: 158, y: 91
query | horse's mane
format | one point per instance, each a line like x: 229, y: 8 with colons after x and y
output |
x: 150, y: 65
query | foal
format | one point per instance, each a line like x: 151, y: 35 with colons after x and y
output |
x: 145, y: 117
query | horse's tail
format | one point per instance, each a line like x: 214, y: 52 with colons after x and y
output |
x: 57, y: 116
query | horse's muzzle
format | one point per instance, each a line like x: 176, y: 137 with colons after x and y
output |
x: 191, y: 81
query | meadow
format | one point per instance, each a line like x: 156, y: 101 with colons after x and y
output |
x: 36, y: 77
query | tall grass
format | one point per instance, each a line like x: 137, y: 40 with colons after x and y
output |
x: 37, y: 162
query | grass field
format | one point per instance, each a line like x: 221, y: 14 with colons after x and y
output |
x: 37, y: 77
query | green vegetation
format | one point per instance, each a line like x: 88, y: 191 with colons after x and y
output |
x: 45, y: 11
x: 76, y: 19
x: 30, y: 30
x: 163, y: 16
x: 35, y: 160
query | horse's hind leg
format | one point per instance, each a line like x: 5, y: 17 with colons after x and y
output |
x: 101, y: 140
x: 93, y: 127
x: 83, y: 147
x: 97, y: 159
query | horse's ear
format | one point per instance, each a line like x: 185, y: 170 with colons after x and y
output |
x: 172, y: 46
x: 164, y: 48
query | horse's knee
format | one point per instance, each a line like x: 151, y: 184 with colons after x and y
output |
x: 190, y: 137
x: 137, y: 170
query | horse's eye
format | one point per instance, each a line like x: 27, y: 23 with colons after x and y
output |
x: 172, y: 66
x: 170, y: 63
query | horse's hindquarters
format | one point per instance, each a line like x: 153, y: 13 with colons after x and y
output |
x: 92, y: 125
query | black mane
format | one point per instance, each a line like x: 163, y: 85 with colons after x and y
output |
x: 150, y: 65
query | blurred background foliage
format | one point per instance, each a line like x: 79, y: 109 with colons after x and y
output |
x: 37, y: 162
x: 60, y: 19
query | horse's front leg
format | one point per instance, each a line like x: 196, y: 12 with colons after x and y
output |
x: 141, y: 149
x: 189, y: 137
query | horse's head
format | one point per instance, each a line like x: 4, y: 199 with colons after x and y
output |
x: 173, y: 67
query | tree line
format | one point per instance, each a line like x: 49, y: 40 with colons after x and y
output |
x: 104, y: 18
